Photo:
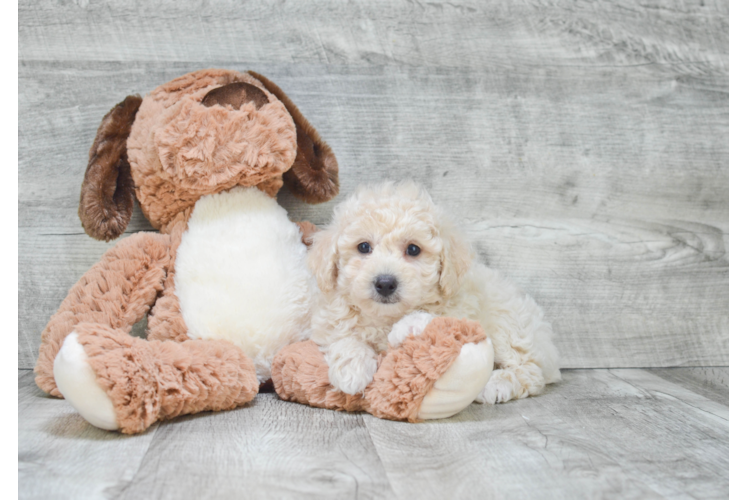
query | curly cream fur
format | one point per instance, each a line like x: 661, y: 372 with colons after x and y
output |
x: 442, y: 280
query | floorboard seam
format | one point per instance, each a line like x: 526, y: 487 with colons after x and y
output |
x: 379, y: 456
x: 620, y: 461
x: 155, y: 429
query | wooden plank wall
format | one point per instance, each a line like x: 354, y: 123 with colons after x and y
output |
x: 583, y: 145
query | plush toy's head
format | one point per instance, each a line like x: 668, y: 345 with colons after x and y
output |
x: 202, y: 133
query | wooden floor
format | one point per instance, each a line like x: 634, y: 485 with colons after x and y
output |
x: 626, y: 433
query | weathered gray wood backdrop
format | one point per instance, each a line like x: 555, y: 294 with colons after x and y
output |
x: 583, y: 145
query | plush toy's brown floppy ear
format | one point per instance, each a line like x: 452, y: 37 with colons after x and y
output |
x: 313, y: 178
x: 108, y: 192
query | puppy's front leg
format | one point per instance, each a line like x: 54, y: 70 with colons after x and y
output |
x: 352, y: 365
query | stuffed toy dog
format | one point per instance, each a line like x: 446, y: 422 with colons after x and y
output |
x: 225, y: 283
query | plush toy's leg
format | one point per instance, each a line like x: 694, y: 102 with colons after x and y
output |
x: 433, y: 374
x: 300, y: 374
x: 116, y: 381
x: 166, y: 321
x: 116, y: 293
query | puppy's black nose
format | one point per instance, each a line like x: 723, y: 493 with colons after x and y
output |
x: 386, y: 284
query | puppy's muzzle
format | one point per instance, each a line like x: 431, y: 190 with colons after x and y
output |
x: 385, y: 284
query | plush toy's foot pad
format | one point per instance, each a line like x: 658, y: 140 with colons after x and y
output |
x: 409, y: 373
x: 461, y: 384
x: 76, y: 381
x: 147, y: 381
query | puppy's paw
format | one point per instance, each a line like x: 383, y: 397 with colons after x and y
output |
x: 352, y: 365
x: 412, y: 324
x: 354, y: 377
x: 500, y: 388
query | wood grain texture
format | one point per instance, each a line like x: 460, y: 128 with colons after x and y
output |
x: 268, y: 449
x: 61, y: 456
x: 691, y: 34
x: 582, y: 145
x: 737, y: 297
x: 597, y: 434
x: 712, y: 382
x: 736, y: 157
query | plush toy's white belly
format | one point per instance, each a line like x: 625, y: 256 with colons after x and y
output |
x: 241, y: 275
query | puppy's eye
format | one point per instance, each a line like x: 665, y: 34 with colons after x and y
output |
x: 364, y: 247
x: 413, y: 250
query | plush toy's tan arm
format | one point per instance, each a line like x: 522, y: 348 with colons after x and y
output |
x: 116, y: 292
x: 405, y: 376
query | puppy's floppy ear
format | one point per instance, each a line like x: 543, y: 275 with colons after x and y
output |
x: 108, y: 192
x: 323, y: 259
x: 313, y: 178
x: 456, y: 258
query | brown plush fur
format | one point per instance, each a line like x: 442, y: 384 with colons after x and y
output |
x: 165, y: 322
x: 408, y: 373
x: 181, y: 150
x: 313, y: 178
x: 300, y: 375
x: 404, y: 377
x: 152, y: 380
x: 116, y: 292
x: 107, y: 193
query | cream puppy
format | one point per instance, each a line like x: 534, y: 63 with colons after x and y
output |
x: 389, y: 262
